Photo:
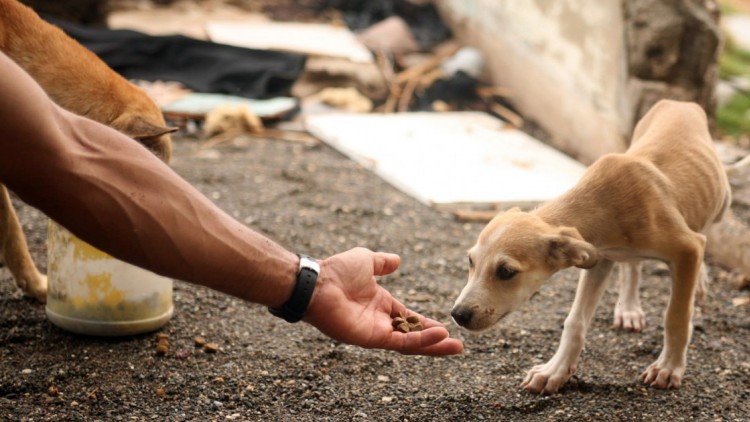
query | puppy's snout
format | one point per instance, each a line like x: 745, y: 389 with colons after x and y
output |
x: 462, y: 315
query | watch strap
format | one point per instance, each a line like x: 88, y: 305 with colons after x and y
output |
x: 294, y: 308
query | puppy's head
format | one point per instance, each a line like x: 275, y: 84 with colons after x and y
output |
x: 137, y: 115
x: 514, y: 255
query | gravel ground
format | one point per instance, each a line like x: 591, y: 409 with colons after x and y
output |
x: 313, y: 200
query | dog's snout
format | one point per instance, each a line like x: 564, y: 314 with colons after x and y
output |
x: 462, y: 315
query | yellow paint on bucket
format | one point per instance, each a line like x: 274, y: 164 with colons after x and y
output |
x: 90, y: 292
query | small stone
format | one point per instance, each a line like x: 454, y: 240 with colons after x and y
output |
x: 199, y: 341
x: 211, y: 347
x: 26, y: 371
x: 183, y: 353
x: 161, y: 392
x: 53, y: 391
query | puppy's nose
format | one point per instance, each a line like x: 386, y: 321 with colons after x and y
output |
x: 462, y: 315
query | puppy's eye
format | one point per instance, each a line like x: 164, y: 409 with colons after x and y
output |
x: 471, y: 263
x: 505, y: 273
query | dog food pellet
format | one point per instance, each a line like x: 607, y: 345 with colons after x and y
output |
x: 406, y: 324
x: 162, y: 344
x: 211, y: 347
x: 397, y: 321
x: 199, y: 341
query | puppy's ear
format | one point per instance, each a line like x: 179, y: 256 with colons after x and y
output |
x: 570, y: 251
x: 139, y: 128
x: 147, y: 134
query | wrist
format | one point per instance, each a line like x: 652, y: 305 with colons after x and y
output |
x: 293, y: 310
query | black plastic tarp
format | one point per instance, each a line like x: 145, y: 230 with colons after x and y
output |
x: 200, y: 65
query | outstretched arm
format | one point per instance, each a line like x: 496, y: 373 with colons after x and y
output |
x: 111, y: 192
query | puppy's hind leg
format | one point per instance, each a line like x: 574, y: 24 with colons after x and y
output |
x: 701, y: 290
x: 628, y: 312
x: 15, y: 252
x: 548, y: 378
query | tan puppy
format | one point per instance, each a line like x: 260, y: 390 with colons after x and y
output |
x: 651, y: 202
x: 79, y: 81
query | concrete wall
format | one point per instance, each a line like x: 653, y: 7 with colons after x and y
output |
x: 568, y: 63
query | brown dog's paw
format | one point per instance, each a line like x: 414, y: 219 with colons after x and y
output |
x: 662, y: 375
x: 35, y: 287
x: 547, y: 378
x: 630, y: 319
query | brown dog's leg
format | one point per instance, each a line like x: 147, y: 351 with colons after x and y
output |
x: 685, y: 267
x: 549, y: 377
x: 628, y: 312
x: 15, y: 252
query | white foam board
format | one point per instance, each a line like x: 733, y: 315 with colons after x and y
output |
x: 307, y: 38
x: 449, y: 158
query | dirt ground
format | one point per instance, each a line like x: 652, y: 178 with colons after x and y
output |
x: 313, y: 200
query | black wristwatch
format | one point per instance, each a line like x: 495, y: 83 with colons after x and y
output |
x: 307, y: 275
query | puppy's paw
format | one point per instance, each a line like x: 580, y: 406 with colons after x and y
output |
x: 35, y: 287
x: 701, y: 288
x: 547, y: 378
x: 661, y: 374
x: 629, y: 318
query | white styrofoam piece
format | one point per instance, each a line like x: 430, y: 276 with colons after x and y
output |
x: 445, y: 158
x: 738, y: 27
x: 307, y: 38
x: 202, y: 103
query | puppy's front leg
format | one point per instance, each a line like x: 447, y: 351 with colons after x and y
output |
x: 628, y: 312
x: 15, y: 252
x: 549, y: 377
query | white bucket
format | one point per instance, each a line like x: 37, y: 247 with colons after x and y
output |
x: 90, y: 292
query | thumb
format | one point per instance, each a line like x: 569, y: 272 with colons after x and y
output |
x: 385, y: 263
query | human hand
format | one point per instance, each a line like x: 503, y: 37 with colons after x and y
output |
x: 350, y: 306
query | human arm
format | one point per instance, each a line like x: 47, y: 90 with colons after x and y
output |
x: 112, y: 193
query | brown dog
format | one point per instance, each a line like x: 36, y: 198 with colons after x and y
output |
x: 652, y: 202
x: 79, y: 81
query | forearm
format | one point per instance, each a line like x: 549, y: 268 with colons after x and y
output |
x: 113, y: 193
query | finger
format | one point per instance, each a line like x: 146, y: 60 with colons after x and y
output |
x: 385, y: 263
x: 446, y: 347
x: 432, y: 341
